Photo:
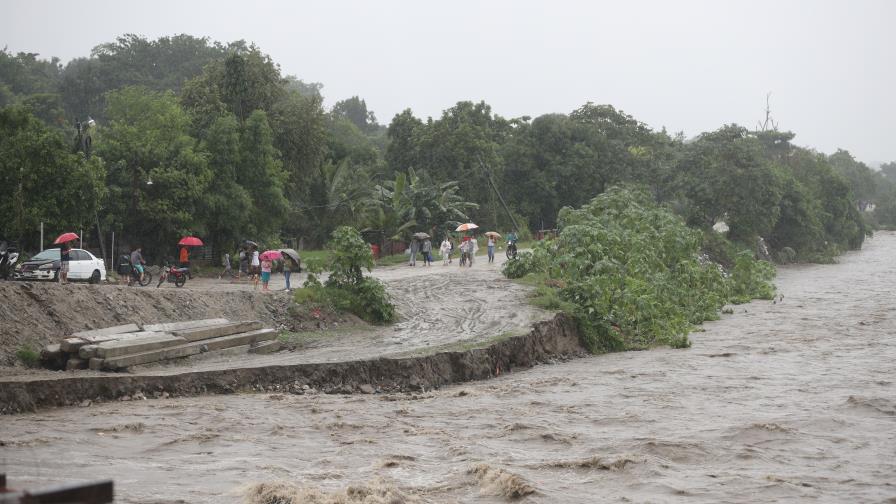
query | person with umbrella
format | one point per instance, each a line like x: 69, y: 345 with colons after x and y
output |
x: 65, y: 249
x: 492, y: 239
x: 414, y: 247
x: 290, y: 261
x: 184, y: 259
x: 267, y: 260
x: 425, y: 247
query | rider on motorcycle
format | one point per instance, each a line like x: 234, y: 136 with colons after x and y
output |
x: 137, y: 261
x: 511, y: 241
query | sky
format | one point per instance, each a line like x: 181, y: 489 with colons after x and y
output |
x: 688, y: 66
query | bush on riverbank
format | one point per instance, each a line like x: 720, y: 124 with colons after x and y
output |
x: 633, y: 275
x: 347, y: 289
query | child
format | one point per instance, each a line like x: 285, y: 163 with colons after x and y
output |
x: 265, y: 274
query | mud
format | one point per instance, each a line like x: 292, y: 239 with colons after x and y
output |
x: 791, y: 401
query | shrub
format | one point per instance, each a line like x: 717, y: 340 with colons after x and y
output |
x: 347, y: 289
x: 28, y: 356
x: 633, y: 274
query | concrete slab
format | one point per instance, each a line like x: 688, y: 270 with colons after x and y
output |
x: 193, y: 348
x: 216, y: 331
x: 155, y: 341
x: 266, y: 347
x: 189, y: 324
x: 96, y: 363
x: 71, y: 345
x: 87, y: 351
x: 119, y: 337
x: 246, y: 338
x: 107, y: 331
x: 152, y: 356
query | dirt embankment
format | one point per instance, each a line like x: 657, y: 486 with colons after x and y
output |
x: 34, y: 314
x: 549, y: 340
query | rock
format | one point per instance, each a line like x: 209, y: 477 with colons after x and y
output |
x: 366, y: 388
x: 85, y: 403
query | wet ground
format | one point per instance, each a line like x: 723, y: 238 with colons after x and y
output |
x: 790, y: 401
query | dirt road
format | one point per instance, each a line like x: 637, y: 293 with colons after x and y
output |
x: 791, y: 401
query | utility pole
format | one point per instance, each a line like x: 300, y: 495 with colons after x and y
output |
x: 488, y: 175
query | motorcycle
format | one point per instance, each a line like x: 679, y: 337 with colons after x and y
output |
x: 9, y: 256
x: 173, y: 274
x: 511, y: 250
x: 126, y: 269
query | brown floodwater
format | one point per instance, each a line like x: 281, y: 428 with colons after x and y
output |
x: 791, y: 400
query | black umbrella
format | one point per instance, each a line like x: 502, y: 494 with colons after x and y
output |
x: 291, y: 253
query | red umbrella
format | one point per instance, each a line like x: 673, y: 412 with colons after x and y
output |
x: 66, y: 237
x: 190, y: 241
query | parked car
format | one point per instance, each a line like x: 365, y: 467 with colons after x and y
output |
x: 83, y: 266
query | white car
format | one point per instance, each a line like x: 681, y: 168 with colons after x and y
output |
x: 82, y: 266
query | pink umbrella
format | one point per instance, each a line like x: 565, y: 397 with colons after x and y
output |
x: 270, y: 255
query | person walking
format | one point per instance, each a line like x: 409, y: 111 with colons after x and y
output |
x: 427, y: 252
x: 65, y: 256
x: 225, y: 261
x: 288, y: 265
x: 491, y: 248
x: 255, y: 265
x: 445, y: 250
x: 244, y: 265
x: 415, y: 247
x: 265, y: 274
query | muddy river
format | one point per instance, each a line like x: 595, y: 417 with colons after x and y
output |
x: 786, y: 401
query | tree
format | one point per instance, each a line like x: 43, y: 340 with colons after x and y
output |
x: 41, y: 180
x: 261, y: 173
x: 147, y: 139
x: 227, y: 207
x: 403, y: 150
x: 889, y: 171
x: 163, y: 64
x: 355, y: 110
x: 724, y: 176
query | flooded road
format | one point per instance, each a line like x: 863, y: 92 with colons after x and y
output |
x: 786, y: 401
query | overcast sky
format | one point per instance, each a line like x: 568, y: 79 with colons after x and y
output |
x: 687, y: 65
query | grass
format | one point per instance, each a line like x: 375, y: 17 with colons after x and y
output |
x: 545, y: 295
x: 28, y: 356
